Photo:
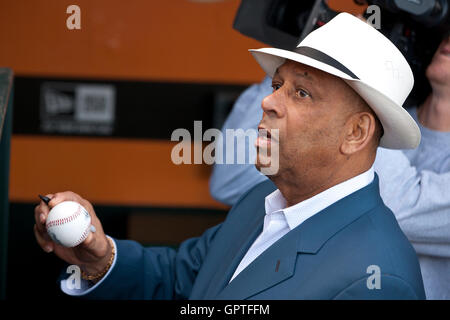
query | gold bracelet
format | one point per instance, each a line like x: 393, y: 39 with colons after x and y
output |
x: 99, y: 275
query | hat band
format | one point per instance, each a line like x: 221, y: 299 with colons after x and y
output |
x: 324, y: 58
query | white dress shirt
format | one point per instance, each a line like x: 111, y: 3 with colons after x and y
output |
x: 279, y: 220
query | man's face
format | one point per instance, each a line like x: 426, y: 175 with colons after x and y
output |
x: 439, y: 69
x: 309, y: 107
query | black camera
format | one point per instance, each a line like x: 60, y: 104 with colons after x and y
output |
x: 416, y: 27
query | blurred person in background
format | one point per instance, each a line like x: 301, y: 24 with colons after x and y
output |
x: 414, y: 184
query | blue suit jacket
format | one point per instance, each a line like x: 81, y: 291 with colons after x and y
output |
x: 326, y: 257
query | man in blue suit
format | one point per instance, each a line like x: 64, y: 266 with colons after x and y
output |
x: 318, y: 229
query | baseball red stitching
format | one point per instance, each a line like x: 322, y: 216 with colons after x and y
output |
x: 58, y: 222
x: 83, y: 236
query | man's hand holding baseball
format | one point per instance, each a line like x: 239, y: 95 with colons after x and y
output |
x: 92, y: 255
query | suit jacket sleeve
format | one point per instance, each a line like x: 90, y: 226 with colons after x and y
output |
x: 154, y: 272
x: 390, y: 288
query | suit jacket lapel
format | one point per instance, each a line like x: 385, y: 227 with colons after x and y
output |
x: 278, y: 262
x: 243, y: 224
x: 238, y: 248
x: 274, y: 265
x: 244, y: 234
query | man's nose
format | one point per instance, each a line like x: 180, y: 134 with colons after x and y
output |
x: 272, y: 105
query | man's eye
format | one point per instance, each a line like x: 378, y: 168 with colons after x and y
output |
x: 276, y: 87
x: 302, y: 93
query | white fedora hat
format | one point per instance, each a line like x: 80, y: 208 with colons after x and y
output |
x: 368, y: 62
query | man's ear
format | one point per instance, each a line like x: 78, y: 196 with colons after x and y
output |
x: 358, y: 132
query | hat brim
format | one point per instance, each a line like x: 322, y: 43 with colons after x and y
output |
x: 400, y: 129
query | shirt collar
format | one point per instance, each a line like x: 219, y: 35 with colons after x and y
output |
x: 305, y: 209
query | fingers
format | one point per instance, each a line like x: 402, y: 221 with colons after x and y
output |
x: 43, y: 240
x: 40, y: 214
x: 92, y: 242
x: 93, y: 252
x: 88, y: 242
x: 64, y: 196
x: 71, y: 196
x: 98, y: 246
x: 40, y: 232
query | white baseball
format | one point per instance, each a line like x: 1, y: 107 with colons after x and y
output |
x: 68, y: 223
